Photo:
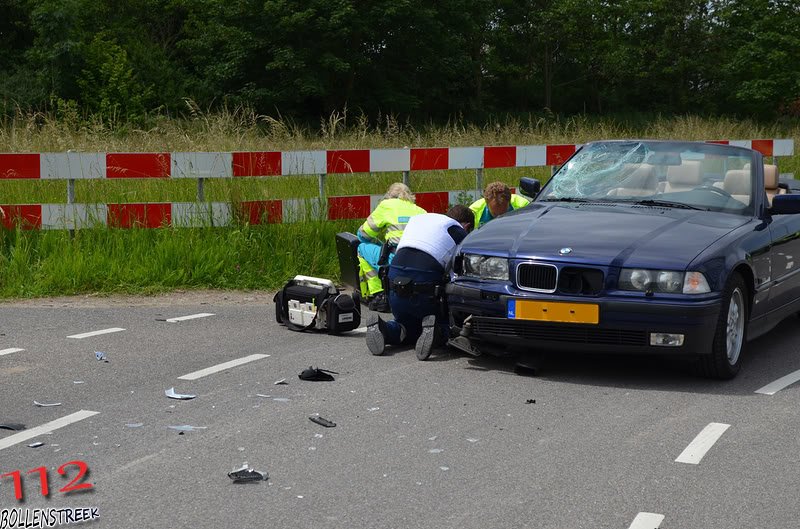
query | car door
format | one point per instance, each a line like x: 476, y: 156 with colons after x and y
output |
x: 785, y: 258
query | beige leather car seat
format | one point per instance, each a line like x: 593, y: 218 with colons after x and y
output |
x: 640, y: 182
x: 738, y: 184
x: 684, y: 177
x: 771, y: 182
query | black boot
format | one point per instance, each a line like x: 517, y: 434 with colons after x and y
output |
x: 380, y: 303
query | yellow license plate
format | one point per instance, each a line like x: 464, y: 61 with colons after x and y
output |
x: 557, y: 311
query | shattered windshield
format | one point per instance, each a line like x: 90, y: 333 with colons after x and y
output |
x: 669, y: 174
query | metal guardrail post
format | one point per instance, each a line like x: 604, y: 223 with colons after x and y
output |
x: 201, y: 191
x: 322, y: 186
x: 407, y: 178
x: 70, y: 201
x: 479, y: 181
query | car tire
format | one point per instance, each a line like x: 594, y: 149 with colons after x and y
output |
x: 730, y: 336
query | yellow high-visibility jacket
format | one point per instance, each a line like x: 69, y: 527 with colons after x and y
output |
x: 481, y: 210
x: 387, y: 222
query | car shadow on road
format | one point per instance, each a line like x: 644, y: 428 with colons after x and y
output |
x: 766, y: 359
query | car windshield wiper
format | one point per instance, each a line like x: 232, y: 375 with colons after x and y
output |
x: 571, y: 199
x: 666, y: 203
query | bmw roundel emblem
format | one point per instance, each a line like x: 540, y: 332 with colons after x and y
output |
x: 565, y: 251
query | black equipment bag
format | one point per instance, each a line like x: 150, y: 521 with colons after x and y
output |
x: 335, y: 313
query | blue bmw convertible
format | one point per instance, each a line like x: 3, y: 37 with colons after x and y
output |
x: 641, y: 247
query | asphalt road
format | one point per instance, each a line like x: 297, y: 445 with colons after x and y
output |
x: 452, y: 442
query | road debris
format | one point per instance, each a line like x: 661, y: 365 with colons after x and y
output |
x: 281, y: 382
x: 100, y: 355
x: 134, y: 424
x: 187, y: 428
x: 14, y: 426
x: 37, y: 444
x: 323, y: 422
x: 530, y: 401
x: 245, y: 474
x: 317, y: 375
x: 179, y: 396
x: 46, y: 404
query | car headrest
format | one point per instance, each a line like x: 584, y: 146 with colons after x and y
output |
x: 688, y: 173
x: 770, y: 176
x: 737, y: 182
x: 639, y: 177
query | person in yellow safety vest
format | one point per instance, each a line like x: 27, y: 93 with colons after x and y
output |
x: 385, y: 224
x: 497, y: 199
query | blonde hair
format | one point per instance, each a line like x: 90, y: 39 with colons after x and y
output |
x: 497, y: 191
x: 401, y: 191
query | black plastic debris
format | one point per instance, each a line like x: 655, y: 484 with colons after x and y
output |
x: 14, y: 426
x: 323, y: 422
x: 245, y: 474
x: 317, y: 375
x: 530, y: 401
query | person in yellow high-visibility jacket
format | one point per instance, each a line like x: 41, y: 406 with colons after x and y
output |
x: 497, y: 199
x: 385, y: 224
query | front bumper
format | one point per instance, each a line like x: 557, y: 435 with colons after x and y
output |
x: 624, y: 326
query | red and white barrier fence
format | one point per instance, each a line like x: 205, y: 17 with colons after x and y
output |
x: 72, y: 166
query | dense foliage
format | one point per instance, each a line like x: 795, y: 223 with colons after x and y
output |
x: 121, y: 59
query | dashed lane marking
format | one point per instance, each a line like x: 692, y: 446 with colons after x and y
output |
x: 9, y: 351
x: 222, y: 367
x: 11, y: 440
x: 96, y: 333
x: 702, y: 443
x: 771, y: 388
x: 647, y: 520
x: 190, y: 317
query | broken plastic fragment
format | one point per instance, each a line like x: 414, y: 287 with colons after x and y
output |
x: 323, y: 422
x: 15, y: 426
x: 171, y: 394
x: 187, y: 428
x: 530, y: 401
x: 134, y: 424
x: 46, y: 404
x: 37, y: 444
x: 245, y: 474
x: 317, y: 375
x: 281, y: 382
x: 78, y: 382
x: 280, y: 399
x: 265, y: 396
x: 436, y: 450
x: 99, y: 355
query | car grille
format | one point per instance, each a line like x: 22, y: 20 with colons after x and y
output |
x: 537, y: 277
x: 557, y: 333
x: 584, y: 281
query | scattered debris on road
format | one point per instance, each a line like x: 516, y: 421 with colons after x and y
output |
x: 37, y: 444
x: 14, y: 426
x: 245, y: 474
x: 179, y: 396
x: 317, y: 375
x: 46, y: 404
x: 530, y: 401
x: 323, y: 422
x: 281, y: 382
x: 134, y: 424
x: 100, y: 355
x: 187, y: 428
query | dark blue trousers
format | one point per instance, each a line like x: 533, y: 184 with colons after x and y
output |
x: 409, y: 311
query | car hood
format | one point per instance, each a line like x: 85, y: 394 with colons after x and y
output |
x: 612, y: 234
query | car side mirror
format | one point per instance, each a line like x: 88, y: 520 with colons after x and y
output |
x: 785, y: 204
x: 530, y: 186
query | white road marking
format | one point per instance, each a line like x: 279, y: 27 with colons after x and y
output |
x: 96, y: 333
x: 190, y: 317
x: 9, y: 351
x: 702, y: 443
x: 647, y: 520
x: 11, y: 440
x: 770, y: 389
x: 222, y: 367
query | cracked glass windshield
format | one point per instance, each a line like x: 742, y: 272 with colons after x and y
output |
x: 665, y: 174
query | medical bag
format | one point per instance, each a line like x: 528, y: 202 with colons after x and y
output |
x: 312, y: 303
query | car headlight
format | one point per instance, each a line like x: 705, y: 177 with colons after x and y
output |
x: 668, y: 281
x: 485, y: 267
